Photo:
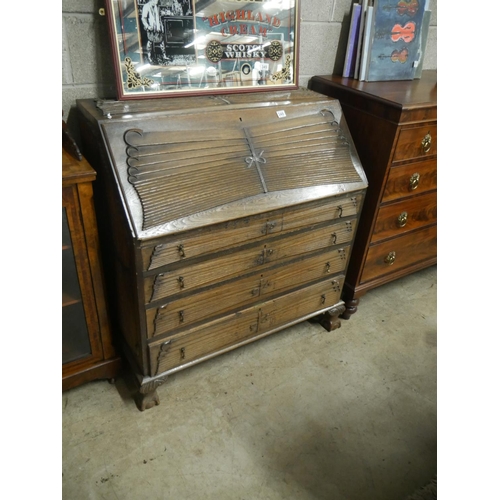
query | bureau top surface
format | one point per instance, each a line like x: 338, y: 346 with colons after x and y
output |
x: 402, y: 96
x: 181, y: 170
x: 185, y: 104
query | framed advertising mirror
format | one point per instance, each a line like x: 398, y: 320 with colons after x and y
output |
x: 168, y: 48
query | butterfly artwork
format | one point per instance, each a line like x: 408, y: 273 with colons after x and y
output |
x: 396, y: 39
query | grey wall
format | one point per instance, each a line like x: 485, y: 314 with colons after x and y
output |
x: 87, y: 67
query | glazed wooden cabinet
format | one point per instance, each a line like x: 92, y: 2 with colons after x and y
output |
x: 394, y: 128
x: 228, y: 219
x: 87, y: 350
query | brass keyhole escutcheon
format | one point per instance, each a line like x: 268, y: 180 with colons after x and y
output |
x: 402, y: 219
x: 390, y: 258
x: 414, y: 181
x: 426, y: 143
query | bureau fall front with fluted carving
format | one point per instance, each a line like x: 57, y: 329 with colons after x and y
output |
x: 224, y: 220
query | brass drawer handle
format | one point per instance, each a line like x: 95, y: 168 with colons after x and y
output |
x: 390, y: 258
x: 328, y: 266
x: 183, y: 353
x: 180, y: 249
x: 180, y: 279
x: 402, y: 219
x: 426, y: 143
x: 323, y: 299
x: 181, y: 316
x: 414, y: 181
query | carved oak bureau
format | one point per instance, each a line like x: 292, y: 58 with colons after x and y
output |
x: 223, y: 220
x: 394, y: 128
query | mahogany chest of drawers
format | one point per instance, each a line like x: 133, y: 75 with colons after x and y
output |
x: 394, y: 128
x: 225, y: 219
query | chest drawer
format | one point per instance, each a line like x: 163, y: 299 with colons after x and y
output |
x: 214, y: 301
x: 406, y: 215
x: 398, y: 253
x: 216, y: 238
x: 410, y: 179
x: 416, y: 142
x: 200, y: 343
x: 245, y: 260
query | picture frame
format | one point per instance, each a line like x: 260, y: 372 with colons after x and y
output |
x: 170, y: 48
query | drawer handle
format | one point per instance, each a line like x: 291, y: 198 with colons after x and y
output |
x: 414, y: 181
x: 328, y: 266
x: 181, y: 316
x: 334, y: 238
x: 390, y: 258
x: 323, y: 299
x: 426, y: 143
x: 180, y: 249
x: 340, y: 209
x: 180, y: 279
x: 402, y: 219
x: 183, y: 352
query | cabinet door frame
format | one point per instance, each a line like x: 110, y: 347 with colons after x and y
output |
x: 73, y: 197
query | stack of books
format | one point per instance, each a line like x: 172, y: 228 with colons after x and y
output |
x: 387, y: 40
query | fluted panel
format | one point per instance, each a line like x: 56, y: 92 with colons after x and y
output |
x: 176, y: 174
x: 304, y: 152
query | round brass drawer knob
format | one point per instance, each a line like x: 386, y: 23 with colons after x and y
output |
x: 402, y: 219
x: 426, y: 143
x: 390, y: 258
x: 414, y: 181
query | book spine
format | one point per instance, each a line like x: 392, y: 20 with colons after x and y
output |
x: 366, y: 44
x: 352, y: 42
x: 364, y: 8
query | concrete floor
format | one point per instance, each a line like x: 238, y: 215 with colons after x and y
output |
x: 302, y: 414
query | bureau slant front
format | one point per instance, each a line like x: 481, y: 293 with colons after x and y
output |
x: 223, y: 220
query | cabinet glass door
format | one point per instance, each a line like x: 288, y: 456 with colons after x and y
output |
x: 75, y: 335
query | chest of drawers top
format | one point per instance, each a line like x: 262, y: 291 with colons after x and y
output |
x: 397, y: 102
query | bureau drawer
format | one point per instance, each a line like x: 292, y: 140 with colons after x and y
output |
x: 211, y: 338
x: 217, y: 300
x: 222, y: 236
x: 416, y: 142
x: 242, y: 261
x: 406, y: 215
x: 398, y: 253
x: 322, y: 212
x: 410, y: 179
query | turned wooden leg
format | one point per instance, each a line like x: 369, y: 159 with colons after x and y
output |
x: 351, y: 306
x: 147, y: 397
x: 330, y: 319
